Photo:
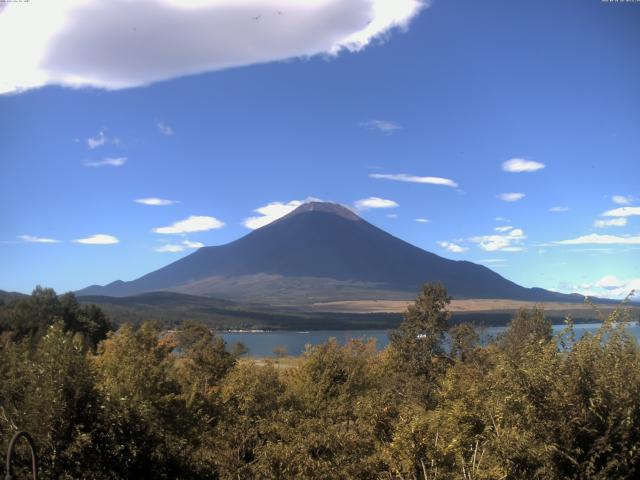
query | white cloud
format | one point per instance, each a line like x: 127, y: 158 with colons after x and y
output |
x: 96, y: 141
x: 270, y: 213
x: 273, y: 211
x: 559, y: 209
x: 178, y: 247
x: 453, y: 247
x: 423, y: 220
x: 392, y: 215
x: 195, y: 223
x: 98, y: 239
x: 622, y: 199
x: 609, y: 282
x: 622, y: 212
x: 383, y: 126
x: 597, y: 239
x: 124, y: 43
x: 190, y: 244
x: 403, y: 177
x: 34, y: 239
x: 614, y: 222
x: 506, y: 228
x: 501, y: 219
x: 507, y: 242
x: 375, y: 202
x: 165, y: 129
x: 520, y: 165
x: 107, y: 162
x: 608, y: 286
x: 155, y: 201
x: 511, y: 197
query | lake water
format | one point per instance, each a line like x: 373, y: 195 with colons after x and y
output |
x: 262, y: 344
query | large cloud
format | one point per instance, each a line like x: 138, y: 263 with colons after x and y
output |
x: 126, y: 43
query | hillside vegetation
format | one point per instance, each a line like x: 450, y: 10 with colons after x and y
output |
x: 146, y: 403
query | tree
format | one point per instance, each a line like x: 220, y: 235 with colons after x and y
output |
x: 30, y: 317
x: 529, y: 327
x: 418, y: 343
x: 204, y: 358
x: 48, y: 390
x: 145, y: 420
x: 464, y: 341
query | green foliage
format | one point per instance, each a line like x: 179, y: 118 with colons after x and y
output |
x: 154, y: 404
x: 417, y: 345
x: 420, y: 337
x: 30, y: 317
x: 48, y: 390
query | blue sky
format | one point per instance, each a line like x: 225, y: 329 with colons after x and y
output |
x: 463, y: 88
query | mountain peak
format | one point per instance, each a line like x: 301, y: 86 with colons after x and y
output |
x: 325, y: 207
x: 320, y: 250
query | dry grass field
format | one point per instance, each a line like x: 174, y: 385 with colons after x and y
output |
x: 457, y: 306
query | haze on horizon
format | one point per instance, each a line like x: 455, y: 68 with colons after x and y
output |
x: 507, y: 135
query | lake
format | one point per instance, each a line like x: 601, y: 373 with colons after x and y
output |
x: 262, y: 344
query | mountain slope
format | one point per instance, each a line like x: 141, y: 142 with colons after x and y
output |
x: 321, y: 244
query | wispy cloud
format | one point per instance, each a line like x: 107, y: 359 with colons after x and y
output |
x: 453, y: 247
x: 97, y: 141
x: 383, y: 126
x: 392, y: 215
x: 622, y: 199
x: 178, y: 247
x: 98, y: 239
x: 502, y: 219
x: 511, y: 197
x: 614, y: 222
x: 403, y: 177
x: 491, y: 261
x: 505, y: 228
x: 107, y: 162
x: 508, y: 242
x: 622, y: 212
x: 598, y: 239
x: 559, y: 209
x: 155, y: 201
x: 521, y: 165
x: 375, y: 202
x: 195, y: 223
x: 34, y: 239
x: 423, y: 220
x: 273, y: 211
x: 81, y: 52
x: 165, y: 129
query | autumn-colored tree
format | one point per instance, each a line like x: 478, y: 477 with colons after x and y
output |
x: 436, y: 404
